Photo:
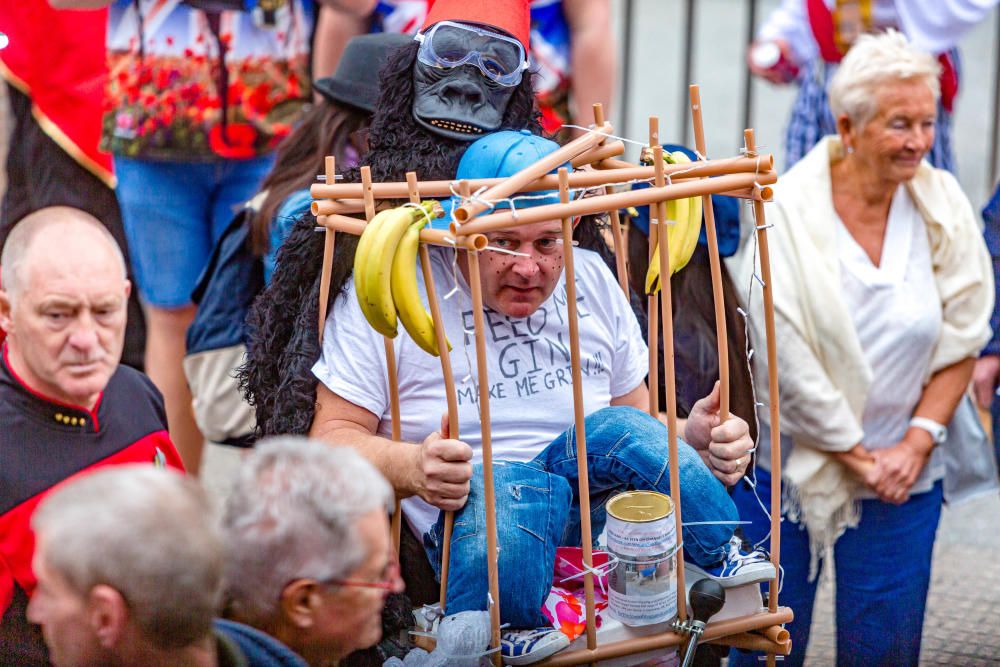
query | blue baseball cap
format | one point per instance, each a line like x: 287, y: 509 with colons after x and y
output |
x: 499, y: 155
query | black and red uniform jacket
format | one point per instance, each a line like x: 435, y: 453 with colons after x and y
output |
x: 44, y: 442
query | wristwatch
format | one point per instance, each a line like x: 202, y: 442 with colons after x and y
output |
x: 939, y: 432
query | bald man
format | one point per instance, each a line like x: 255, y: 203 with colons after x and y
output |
x: 66, y: 405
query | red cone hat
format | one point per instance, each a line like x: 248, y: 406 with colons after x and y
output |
x: 511, y: 16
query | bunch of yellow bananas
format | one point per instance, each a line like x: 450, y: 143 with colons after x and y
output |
x: 385, y: 274
x: 684, y: 220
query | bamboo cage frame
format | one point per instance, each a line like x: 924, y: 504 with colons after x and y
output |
x: 746, y: 176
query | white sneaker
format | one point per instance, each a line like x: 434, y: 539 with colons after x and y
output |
x: 524, y: 647
x: 739, y: 567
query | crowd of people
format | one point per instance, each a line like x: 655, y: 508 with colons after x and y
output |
x: 219, y: 115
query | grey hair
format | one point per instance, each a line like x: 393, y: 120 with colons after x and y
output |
x: 871, y: 62
x: 19, y: 242
x: 291, y: 514
x: 150, y: 534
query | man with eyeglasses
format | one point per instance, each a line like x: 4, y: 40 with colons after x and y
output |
x: 129, y: 564
x: 310, y: 561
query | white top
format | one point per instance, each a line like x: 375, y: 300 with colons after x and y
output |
x: 896, y: 311
x: 531, y: 397
x: 931, y: 25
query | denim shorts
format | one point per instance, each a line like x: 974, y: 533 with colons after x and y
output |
x: 174, y: 212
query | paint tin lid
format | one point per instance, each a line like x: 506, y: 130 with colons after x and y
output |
x: 640, y: 506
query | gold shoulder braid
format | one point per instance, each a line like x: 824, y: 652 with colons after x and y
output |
x: 851, y: 18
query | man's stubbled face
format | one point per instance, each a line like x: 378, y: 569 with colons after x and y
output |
x: 517, y: 285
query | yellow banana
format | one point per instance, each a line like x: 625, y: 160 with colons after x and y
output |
x: 361, y: 261
x: 692, y: 227
x: 412, y: 314
x: 653, y: 272
x: 377, y: 269
x: 682, y: 233
x: 678, y: 216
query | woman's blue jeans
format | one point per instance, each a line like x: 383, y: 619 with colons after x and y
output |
x: 883, y: 571
x: 537, y: 509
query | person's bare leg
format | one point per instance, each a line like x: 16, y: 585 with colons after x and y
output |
x: 165, y: 349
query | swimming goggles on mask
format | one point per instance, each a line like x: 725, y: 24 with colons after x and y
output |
x: 448, y: 44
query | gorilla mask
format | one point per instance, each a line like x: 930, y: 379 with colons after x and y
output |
x: 464, y: 78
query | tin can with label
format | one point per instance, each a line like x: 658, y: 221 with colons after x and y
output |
x: 642, y: 535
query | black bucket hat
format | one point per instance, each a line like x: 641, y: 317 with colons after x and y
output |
x: 356, y: 80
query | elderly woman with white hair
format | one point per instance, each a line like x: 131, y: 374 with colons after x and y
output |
x: 883, y: 292
x: 310, y: 561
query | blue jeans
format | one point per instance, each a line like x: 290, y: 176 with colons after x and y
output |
x: 537, y: 509
x: 174, y: 213
x: 883, y: 570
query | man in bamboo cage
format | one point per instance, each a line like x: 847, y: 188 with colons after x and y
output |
x: 531, y: 402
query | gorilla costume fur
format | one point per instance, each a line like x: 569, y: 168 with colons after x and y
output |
x: 282, y: 342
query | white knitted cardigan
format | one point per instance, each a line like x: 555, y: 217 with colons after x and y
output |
x: 819, y: 491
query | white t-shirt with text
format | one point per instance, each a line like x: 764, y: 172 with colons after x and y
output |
x: 529, y: 374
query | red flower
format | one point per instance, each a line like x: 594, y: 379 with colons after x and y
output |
x: 294, y: 90
x: 162, y: 79
x: 236, y: 90
x: 170, y: 40
x: 238, y: 142
x: 190, y: 92
x: 188, y: 52
x: 258, y: 100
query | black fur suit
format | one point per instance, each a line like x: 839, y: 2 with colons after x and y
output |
x: 283, y: 344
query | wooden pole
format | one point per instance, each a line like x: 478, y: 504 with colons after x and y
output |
x: 776, y: 634
x: 772, y: 383
x: 516, y: 183
x: 505, y: 218
x: 606, y: 151
x: 487, y: 449
x: 751, y: 641
x: 663, y: 640
x: 329, y: 245
x: 390, y: 353
x: 342, y: 223
x: 670, y: 381
x: 579, y: 416
x: 449, y: 383
x: 621, y: 257
x: 334, y: 206
x: 612, y: 171
x: 652, y: 303
x: 715, y: 263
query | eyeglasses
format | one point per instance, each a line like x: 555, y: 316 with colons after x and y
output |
x: 448, y: 44
x: 388, y: 582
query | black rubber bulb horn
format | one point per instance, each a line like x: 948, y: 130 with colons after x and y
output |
x: 706, y: 599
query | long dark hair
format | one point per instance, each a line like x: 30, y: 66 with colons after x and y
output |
x: 283, y: 343
x: 326, y: 128
x: 695, y: 341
